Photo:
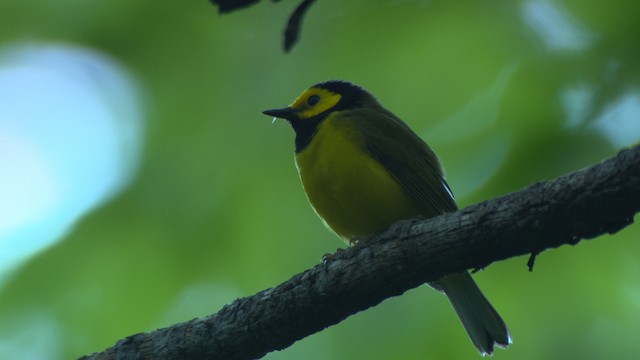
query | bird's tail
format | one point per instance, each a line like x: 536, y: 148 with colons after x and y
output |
x: 482, y: 322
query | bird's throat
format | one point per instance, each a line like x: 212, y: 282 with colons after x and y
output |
x: 305, y: 130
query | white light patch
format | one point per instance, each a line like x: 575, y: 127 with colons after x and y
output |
x: 555, y: 26
x: 576, y: 102
x: 36, y: 336
x: 70, y: 132
x: 620, y: 121
x: 23, y: 200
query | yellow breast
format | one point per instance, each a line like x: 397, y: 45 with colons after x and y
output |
x: 352, y: 192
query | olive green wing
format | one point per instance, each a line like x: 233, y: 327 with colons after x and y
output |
x: 407, y: 157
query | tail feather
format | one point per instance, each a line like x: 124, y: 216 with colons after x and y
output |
x: 482, y: 322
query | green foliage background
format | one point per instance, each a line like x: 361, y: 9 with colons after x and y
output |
x: 216, y: 210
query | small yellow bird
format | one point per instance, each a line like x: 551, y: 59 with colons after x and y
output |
x: 363, y: 169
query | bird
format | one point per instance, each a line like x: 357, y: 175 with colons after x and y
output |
x: 362, y: 169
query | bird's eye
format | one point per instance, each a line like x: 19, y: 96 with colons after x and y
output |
x: 313, y: 99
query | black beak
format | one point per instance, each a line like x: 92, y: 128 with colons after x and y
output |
x: 284, y: 113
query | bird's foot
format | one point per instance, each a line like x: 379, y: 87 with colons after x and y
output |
x: 328, y: 257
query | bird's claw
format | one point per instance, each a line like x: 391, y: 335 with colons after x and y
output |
x: 328, y: 257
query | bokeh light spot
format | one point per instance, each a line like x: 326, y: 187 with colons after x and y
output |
x: 70, y: 134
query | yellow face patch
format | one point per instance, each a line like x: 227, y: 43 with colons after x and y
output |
x: 314, y: 101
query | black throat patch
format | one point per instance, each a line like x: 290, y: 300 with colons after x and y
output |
x: 305, y: 130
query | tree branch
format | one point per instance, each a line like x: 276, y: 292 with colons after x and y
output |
x: 587, y: 203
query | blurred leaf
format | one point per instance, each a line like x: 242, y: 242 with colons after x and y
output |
x: 292, y: 30
x: 225, y: 6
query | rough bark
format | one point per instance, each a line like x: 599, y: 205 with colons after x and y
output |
x: 587, y: 203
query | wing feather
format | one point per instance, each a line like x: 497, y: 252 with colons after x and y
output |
x: 407, y: 158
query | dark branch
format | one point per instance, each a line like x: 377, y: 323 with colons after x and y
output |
x: 585, y: 204
x: 225, y: 6
x: 294, y: 24
x: 292, y: 30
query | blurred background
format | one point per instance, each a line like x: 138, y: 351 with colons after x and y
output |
x: 140, y: 185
